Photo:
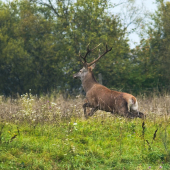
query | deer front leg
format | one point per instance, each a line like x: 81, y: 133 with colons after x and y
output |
x: 93, y: 110
x: 84, y: 107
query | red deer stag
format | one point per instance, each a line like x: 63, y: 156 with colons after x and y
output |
x: 99, y: 97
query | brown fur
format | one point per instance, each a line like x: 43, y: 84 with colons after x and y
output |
x: 99, y: 97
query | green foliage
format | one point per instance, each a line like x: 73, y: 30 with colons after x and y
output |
x: 28, y: 49
x: 101, y: 143
x: 153, y: 53
x: 40, y: 44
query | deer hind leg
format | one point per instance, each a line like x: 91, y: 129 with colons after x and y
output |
x: 84, y: 107
x: 141, y: 115
x: 124, y: 110
x: 138, y: 114
x: 93, y: 110
x: 133, y: 110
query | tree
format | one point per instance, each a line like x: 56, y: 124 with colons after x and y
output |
x: 89, y: 22
x: 28, y: 49
x: 41, y: 40
x: 154, y: 51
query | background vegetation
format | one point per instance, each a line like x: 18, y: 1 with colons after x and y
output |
x: 40, y: 41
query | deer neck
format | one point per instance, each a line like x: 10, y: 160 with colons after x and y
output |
x: 88, y: 82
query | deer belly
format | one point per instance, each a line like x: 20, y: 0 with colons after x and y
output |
x: 101, y: 103
x: 105, y: 106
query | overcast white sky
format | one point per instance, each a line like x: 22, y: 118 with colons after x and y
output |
x: 149, y: 5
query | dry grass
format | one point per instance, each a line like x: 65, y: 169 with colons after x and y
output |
x: 155, y: 106
x: 45, y: 108
x: 55, y: 107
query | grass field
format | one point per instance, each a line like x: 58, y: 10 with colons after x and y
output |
x: 52, y: 133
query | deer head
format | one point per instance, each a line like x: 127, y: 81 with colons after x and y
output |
x: 88, y: 67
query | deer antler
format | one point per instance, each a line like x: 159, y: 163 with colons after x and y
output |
x: 88, y: 51
x: 107, y: 50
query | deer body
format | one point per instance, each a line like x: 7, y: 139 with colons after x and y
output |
x: 99, y: 97
x: 111, y: 101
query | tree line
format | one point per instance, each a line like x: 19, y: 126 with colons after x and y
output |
x: 40, y: 43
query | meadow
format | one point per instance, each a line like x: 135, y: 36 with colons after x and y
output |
x: 50, y: 132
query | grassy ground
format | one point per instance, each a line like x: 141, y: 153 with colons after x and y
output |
x: 51, y: 133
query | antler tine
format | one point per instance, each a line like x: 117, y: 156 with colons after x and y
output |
x: 107, y: 50
x: 95, y: 47
x: 81, y: 57
x: 88, y: 51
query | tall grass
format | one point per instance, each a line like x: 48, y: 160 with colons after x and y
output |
x: 51, y: 133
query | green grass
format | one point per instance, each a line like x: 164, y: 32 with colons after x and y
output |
x: 97, y: 143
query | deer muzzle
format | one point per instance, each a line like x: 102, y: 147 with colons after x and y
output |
x: 75, y: 76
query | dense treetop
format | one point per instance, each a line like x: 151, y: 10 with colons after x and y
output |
x: 40, y: 42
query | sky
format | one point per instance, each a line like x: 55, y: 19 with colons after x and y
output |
x: 149, y: 5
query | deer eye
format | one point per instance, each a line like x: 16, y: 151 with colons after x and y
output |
x: 80, y: 71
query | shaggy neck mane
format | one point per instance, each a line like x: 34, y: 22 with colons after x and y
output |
x: 89, y: 81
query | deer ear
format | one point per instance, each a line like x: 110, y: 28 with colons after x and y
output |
x: 92, y: 66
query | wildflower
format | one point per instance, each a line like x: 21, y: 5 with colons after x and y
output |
x: 54, y: 104
x: 78, y: 96
x: 160, y: 167
x: 73, y: 148
x: 149, y: 167
x: 74, y: 123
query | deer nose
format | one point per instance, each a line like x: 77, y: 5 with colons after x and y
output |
x: 74, y: 76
